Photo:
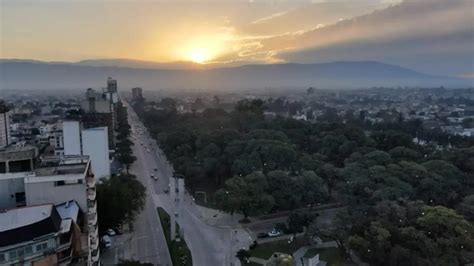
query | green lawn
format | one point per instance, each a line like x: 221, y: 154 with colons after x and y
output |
x: 178, y: 250
x: 333, y: 256
x: 265, y: 250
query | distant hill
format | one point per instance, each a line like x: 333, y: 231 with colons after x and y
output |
x: 131, y: 63
x: 28, y: 74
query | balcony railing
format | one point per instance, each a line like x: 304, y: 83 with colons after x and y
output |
x: 95, y: 256
x: 92, y: 207
x: 91, y: 194
x: 90, y: 182
x: 92, y: 219
x: 94, y: 243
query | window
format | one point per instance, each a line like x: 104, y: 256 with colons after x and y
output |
x: 59, y: 183
x: 79, y: 181
x: 2, y: 257
x: 41, y: 247
x: 20, y: 199
x: 28, y: 250
x: 12, y: 254
x: 20, y: 252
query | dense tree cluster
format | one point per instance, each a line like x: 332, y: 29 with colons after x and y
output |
x: 393, y: 186
x: 124, y: 144
x: 119, y: 200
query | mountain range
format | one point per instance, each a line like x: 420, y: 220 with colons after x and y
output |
x: 31, y: 74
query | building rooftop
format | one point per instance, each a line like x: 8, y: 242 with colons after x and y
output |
x: 21, y: 217
x: 68, y: 210
x: 28, y: 223
x: 70, y: 169
x: 13, y: 152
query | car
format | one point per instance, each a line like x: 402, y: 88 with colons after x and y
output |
x: 166, y: 190
x: 156, y: 178
x: 262, y: 235
x: 156, y: 169
x: 152, y: 176
x: 110, y: 232
x: 106, y: 241
x: 118, y: 230
x: 274, y: 233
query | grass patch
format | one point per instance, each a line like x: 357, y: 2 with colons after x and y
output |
x: 179, y: 251
x: 265, y: 250
x: 333, y: 256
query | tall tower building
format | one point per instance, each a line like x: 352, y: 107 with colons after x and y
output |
x: 4, y: 125
x: 111, y: 85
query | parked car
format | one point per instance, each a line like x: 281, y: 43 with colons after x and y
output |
x: 110, y: 232
x: 118, y: 230
x: 106, y: 241
x: 274, y: 233
x: 156, y: 169
x: 152, y: 176
x: 262, y: 235
x: 166, y: 190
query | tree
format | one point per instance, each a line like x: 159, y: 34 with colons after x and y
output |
x: 119, y: 199
x: 466, y: 207
x: 339, y: 230
x: 246, y: 195
x: 298, y: 220
x: 127, y: 159
x: 409, y: 233
x: 243, y: 254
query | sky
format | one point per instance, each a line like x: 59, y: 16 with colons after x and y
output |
x: 431, y: 36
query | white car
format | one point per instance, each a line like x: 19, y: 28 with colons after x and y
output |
x: 110, y: 232
x: 106, y: 241
x: 274, y: 233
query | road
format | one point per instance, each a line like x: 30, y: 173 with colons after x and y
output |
x: 209, y: 245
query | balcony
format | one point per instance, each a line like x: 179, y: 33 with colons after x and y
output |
x: 90, y: 182
x: 94, y: 243
x: 95, y: 256
x: 91, y: 219
x: 92, y: 207
x: 91, y: 194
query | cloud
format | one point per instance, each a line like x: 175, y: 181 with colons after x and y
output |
x: 435, y: 36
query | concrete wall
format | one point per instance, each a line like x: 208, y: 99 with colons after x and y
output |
x: 47, y: 192
x: 71, y: 138
x: 95, y: 145
x: 8, y: 188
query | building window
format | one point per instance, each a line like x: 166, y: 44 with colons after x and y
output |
x: 59, y: 183
x: 28, y: 250
x: 41, y: 247
x: 79, y: 181
x: 2, y: 257
x: 20, y: 199
x: 21, y: 252
x: 12, y: 254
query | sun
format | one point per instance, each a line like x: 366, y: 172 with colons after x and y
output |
x: 198, y: 55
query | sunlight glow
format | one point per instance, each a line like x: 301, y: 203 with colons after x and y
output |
x: 198, y: 55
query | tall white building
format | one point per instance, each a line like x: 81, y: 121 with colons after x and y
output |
x: 4, y: 125
x: 95, y: 145
x: 72, y: 138
x: 92, y: 142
